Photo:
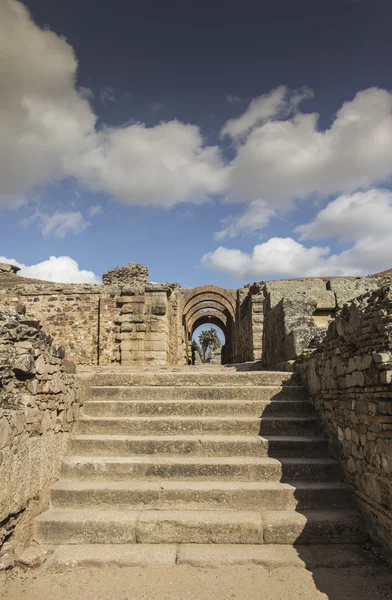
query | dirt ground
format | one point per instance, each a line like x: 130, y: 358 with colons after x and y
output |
x: 185, y: 582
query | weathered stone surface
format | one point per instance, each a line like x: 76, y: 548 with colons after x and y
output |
x: 38, y: 403
x: 132, y: 276
x: 7, y: 268
x: 349, y: 376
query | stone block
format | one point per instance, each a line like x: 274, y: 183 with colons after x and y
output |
x: 386, y: 377
x: 5, y: 433
x: 158, y: 309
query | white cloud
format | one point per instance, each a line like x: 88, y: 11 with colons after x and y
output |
x: 59, y: 224
x: 284, y: 160
x: 259, y: 110
x: 277, y: 257
x: 285, y: 257
x: 47, y: 130
x: 60, y: 269
x: 363, y: 219
x: 350, y: 218
x: 163, y: 165
x: 43, y: 118
x: 94, y: 210
x: 256, y: 216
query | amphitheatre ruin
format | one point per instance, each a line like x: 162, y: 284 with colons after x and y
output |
x: 114, y: 447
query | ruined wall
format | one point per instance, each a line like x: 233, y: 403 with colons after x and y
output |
x: 38, y: 403
x: 144, y: 327
x: 249, y: 324
x: 80, y: 317
x: 297, y: 311
x: 349, y: 377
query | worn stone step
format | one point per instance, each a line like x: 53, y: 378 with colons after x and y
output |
x: 188, y: 378
x: 218, y: 408
x: 199, y: 445
x: 161, y: 425
x: 199, y: 392
x: 273, y: 556
x: 313, y: 527
x: 92, y: 526
x: 199, y: 495
x: 149, y: 527
x: 270, y: 556
x: 201, y: 468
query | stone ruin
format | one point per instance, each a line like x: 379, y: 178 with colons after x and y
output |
x: 334, y: 332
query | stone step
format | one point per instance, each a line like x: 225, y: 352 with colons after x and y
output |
x: 91, y: 526
x: 199, y: 495
x: 189, y: 378
x: 270, y: 556
x: 199, y: 445
x: 229, y: 425
x: 239, y: 468
x: 217, y: 408
x: 232, y: 392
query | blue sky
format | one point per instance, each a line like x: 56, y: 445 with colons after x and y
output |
x: 213, y: 142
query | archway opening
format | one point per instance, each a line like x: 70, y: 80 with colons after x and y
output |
x: 211, y: 306
x: 208, y: 343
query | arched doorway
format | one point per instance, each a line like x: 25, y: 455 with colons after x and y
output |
x: 208, y: 305
x: 206, y: 323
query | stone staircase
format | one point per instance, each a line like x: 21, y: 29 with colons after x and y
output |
x: 199, y: 467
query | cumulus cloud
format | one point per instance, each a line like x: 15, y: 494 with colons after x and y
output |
x: 283, y: 160
x: 363, y: 220
x: 259, y: 110
x: 48, y: 130
x: 277, y: 257
x: 256, y: 216
x: 60, y: 269
x: 279, y: 102
x: 162, y: 165
x: 43, y: 118
x: 352, y: 217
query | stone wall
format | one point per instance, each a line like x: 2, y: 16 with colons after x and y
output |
x: 39, y: 401
x: 249, y: 324
x: 144, y: 327
x: 349, y: 376
x: 79, y: 317
x: 299, y: 310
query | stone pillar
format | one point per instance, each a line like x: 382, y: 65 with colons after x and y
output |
x: 257, y: 316
x: 157, y: 327
x: 132, y: 329
x: 144, y: 322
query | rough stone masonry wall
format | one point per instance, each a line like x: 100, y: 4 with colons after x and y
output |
x: 349, y: 377
x: 298, y: 310
x: 79, y: 317
x: 144, y: 327
x: 39, y: 401
x: 249, y: 324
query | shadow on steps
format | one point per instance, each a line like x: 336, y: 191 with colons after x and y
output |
x: 334, y: 528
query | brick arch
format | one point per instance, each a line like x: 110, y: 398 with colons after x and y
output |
x: 207, y: 305
x: 204, y: 317
x: 221, y: 302
x: 205, y: 297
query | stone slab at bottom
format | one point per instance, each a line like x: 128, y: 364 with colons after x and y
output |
x: 119, y: 555
x: 273, y: 556
x: 207, y: 555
